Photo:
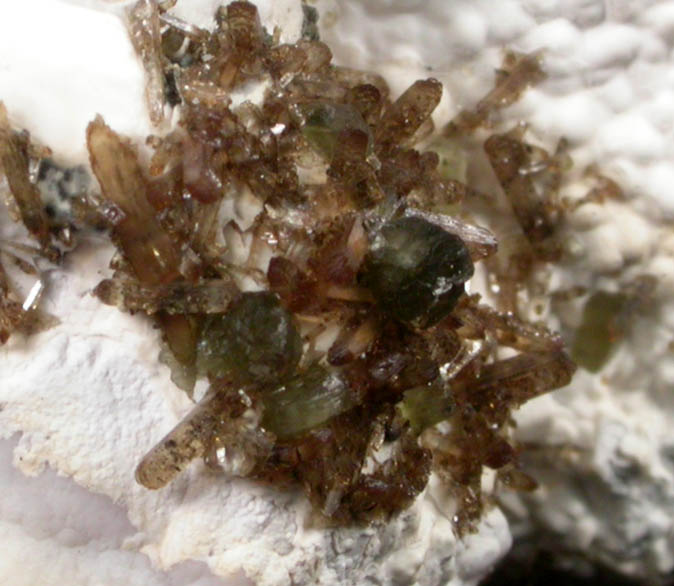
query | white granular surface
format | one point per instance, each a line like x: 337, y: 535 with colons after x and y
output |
x: 86, y: 399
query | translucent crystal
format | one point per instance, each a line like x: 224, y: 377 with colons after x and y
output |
x: 517, y: 72
x: 144, y: 31
x: 409, y: 112
x: 305, y: 401
x: 208, y: 296
x: 510, y: 157
x: 146, y: 245
x: 223, y: 426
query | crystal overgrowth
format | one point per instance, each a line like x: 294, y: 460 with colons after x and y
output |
x: 299, y: 255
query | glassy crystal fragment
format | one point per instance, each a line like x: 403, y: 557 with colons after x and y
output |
x: 144, y: 31
x: 409, y: 112
x: 224, y: 426
x: 209, y: 296
x: 517, y: 72
x: 146, y: 245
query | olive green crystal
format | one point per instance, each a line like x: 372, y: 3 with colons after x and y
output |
x: 305, y: 401
x: 425, y: 406
x: 256, y: 341
x: 600, y: 330
x: 417, y: 270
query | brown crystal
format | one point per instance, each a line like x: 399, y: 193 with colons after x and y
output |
x: 408, y: 113
x: 223, y: 420
x: 519, y: 167
x: 207, y: 296
x: 517, y: 72
x: 14, y: 161
x: 146, y: 246
x: 382, y: 380
x: 144, y: 32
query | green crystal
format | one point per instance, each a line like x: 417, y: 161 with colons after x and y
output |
x: 425, y: 406
x: 600, y: 330
x: 417, y: 270
x: 256, y: 341
x: 305, y: 401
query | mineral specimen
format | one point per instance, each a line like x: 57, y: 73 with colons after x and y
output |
x: 298, y: 254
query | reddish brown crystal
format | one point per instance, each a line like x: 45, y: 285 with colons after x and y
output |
x: 408, y: 113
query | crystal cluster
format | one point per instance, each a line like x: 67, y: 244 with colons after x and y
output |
x: 342, y: 352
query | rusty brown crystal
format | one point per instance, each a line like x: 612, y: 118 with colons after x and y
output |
x: 342, y: 352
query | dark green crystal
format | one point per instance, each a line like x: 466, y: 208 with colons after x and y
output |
x: 255, y: 341
x: 417, y: 270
